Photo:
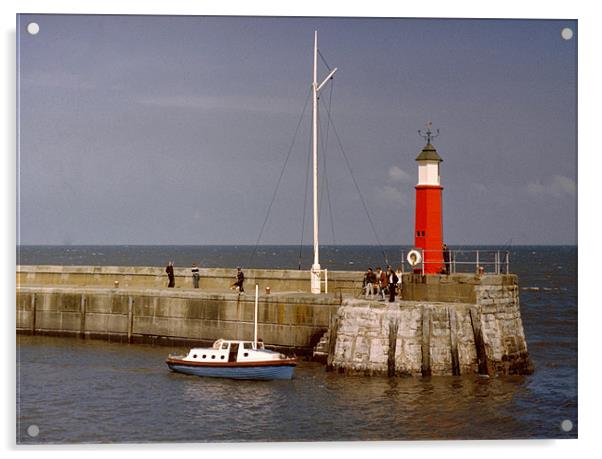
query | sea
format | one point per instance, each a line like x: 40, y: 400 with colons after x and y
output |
x: 90, y: 391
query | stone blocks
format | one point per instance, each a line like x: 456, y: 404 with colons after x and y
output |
x: 483, y: 334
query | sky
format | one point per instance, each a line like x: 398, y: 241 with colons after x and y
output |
x: 175, y: 130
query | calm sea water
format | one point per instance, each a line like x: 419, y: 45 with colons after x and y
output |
x: 94, y: 391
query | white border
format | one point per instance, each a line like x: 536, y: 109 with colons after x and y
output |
x: 589, y: 102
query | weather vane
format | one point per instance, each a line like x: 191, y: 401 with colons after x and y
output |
x: 428, y: 135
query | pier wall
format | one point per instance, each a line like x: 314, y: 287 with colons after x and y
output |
x: 427, y: 336
x: 279, y: 280
x: 168, y: 316
x: 443, y: 325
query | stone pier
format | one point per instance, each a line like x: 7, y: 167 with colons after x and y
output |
x: 443, y: 325
x: 479, y: 331
x: 132, y: 304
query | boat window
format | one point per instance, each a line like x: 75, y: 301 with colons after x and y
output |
x: 246, y: 354
x: 194, y: 356
x: 212, y: 356
x: 248, y: 345
x: 225, y: 346
x: 204, y: 356
x: 222, y: 357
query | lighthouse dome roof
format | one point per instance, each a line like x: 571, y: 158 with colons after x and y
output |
x: 429, y: 153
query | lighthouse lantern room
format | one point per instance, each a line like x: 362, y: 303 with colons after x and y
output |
x: 428, y: 234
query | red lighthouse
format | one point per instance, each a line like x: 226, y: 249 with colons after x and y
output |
x: 429, y: 212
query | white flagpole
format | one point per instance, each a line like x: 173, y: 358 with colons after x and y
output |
x: 315, y: 268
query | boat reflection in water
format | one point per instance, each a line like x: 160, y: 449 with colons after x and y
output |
x: 235, y: 360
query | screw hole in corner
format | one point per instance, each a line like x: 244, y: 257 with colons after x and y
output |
x: 566, y: 425
x: 566, y: 33
x: 33, y: 28
x: 33, y: 430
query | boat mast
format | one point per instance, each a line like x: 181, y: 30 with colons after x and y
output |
x: 315, y: 269
x: 255, y: 315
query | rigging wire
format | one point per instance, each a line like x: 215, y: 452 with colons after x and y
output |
x: 324, y: 60
x: 358, y: 189
x: 279, y: 178
x: 325, y: 178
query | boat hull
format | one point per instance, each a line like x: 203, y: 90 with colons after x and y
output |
x: 264, y: 372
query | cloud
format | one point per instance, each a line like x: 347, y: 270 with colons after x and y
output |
x: 391, y: 195
x: 395, y: 174
x: 555, y: 186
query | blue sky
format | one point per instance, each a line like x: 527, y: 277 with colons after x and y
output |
x: 174, y: 130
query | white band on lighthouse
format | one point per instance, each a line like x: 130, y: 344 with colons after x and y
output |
x: 428, y: 173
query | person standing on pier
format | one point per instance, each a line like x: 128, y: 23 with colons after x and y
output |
x: 392, y: 278
x: 196, y: 276
x: 240, y: 279
x: 381, y: 283
x: 369, y: 280
x: 446, y: 258
x: 170, y: 275
x: 399, y: 273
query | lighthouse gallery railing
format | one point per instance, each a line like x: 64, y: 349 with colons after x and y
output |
x: 467, y: 261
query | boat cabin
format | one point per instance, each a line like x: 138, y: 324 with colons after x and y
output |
x: 232, y: 351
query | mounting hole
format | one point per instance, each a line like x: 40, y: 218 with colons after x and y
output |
x: 33, y: 430
x: 567, y: 34
x: 33, y: 28
x: 566, y: 425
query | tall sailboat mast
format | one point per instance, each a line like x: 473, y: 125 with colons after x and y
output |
x: 315, y: 269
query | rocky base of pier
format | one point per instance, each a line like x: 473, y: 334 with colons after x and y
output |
x: 430, y: 337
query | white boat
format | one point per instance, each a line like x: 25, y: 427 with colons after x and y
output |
x: 235, y: 360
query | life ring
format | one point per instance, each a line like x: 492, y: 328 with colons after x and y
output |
x: 414, y: 257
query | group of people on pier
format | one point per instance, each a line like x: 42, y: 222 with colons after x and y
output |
x: 238, y: 285
x: 380, y: 283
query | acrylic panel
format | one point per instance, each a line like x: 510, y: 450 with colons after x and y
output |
x: 287, y: 185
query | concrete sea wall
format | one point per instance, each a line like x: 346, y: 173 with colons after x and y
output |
x: 279, y: 280
x: 427, y: 336
x: 295, y: 321
x: 443, y: 325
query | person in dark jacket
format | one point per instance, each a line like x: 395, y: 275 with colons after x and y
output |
x: 446, y: 258
x: 369, y: 281
x: 170, y: 275
x: 392, y: 278
x: 240, y: 279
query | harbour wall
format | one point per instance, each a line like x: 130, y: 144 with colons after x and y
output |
x: 279, y: 280
x: 479, y: 331
x: 443, y: 325
x: 169, y: 316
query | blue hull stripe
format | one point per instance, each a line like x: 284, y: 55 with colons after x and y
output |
x: 264, y: 372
